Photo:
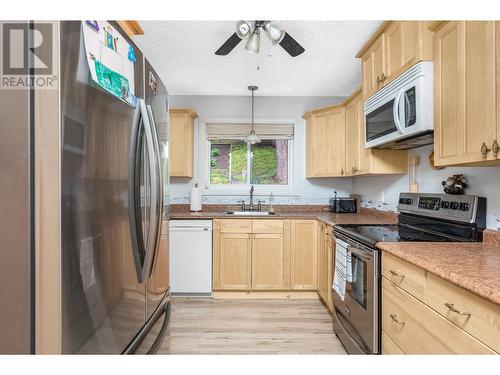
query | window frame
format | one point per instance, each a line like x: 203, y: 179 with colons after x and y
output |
x: 242, y: 189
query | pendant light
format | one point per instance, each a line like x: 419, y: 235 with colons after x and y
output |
x: 252, y: 138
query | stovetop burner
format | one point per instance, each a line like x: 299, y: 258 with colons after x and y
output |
x: 371, y: 234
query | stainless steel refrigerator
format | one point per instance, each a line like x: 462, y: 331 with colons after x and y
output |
x: 113, y: 199
x: 113, y: 178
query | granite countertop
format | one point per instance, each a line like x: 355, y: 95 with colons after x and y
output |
x: 472, y: 266
x: 366, y: 216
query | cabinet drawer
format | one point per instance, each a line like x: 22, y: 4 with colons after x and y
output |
x: 453, y: 302
x: 267, y: 226
x: 236, y: 226
x: 417, y: 329
x: 405, y: 275
x: 389, y: 346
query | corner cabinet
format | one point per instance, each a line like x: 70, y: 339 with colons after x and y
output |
x: 466, y: 84
x: 335, y: 143
x: 395, y: 46
x: 181, y: 142
x: 325, y: 140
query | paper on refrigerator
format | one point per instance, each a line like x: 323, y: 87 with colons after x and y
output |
x: 110, y: 59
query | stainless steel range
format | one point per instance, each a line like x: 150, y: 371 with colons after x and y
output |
x: 356, y: 289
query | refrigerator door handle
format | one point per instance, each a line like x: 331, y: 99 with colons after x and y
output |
x: 142, y: 123
x: 158, y: 187
x: 138, y: 245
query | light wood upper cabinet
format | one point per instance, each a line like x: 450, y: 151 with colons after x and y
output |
x: 304, y: 255
x: 325, y: 142
x: 181, y: 142
x: 466, y: 80
x: 394, y: 47
x: 361, y: 161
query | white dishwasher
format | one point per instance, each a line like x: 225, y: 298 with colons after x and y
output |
x: 190, y: 263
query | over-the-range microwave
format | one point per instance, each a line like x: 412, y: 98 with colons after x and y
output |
x: 400, y: 115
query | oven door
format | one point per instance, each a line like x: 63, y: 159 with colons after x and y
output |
x: 356, y: 318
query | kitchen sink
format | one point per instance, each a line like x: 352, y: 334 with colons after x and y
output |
x: 250, y: 213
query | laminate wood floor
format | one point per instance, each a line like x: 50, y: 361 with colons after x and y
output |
x: 226, y: 326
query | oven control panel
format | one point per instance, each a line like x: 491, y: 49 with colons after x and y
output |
x: 463, y: 208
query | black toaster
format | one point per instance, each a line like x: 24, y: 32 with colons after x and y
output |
x: 342, y: 205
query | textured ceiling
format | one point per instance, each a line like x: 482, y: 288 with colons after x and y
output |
x: 182, y: 52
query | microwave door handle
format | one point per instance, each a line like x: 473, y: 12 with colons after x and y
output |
x: 395, y: 112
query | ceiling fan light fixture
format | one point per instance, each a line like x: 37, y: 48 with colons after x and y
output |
x: 243, y: 29
x: 275, y: 33
x: 253, y: 43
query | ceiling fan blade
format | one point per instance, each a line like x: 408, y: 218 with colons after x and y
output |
x: 228, y: 45
x: 291, y: 46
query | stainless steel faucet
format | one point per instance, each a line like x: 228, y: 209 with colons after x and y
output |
x: 251, y: 198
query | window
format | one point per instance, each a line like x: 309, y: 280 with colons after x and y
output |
x: 233, y: 162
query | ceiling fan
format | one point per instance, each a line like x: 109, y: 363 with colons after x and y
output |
x: 277, y: 35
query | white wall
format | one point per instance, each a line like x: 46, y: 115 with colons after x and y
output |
x: 383, y: 191
x: 314, y: 191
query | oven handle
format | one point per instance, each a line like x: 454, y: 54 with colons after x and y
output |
x: 357, y: 249
x: 395, y: 112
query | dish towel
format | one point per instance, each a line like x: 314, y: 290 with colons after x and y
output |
x: 343, y: 268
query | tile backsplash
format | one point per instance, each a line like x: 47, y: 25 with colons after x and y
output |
x: 234, y: 200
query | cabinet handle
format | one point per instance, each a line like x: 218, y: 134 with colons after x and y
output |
x: 378, y: 80
x: 395, y: 319
x: 397, y: 273
x: 452, y: 308
x: 484, y: 149
x: 354, y: 169
x: 342, y: 172
x: 384, y: 77
x: 495, y: 148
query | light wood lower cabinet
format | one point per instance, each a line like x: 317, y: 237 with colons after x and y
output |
x: 389, y: 346
x: 330, y: 256
x: 251, y: 255
x: 268, y: 262
x: 445, y: 319
x: 235, y: 261
x: 322, y: 261
x: 304, y: 255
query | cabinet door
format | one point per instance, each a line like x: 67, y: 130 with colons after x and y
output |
x: 379, y: 71
x: 320, y: 145
x: 401, y: 47
x: 268, y: 262
x: 394, y: 48
x: 465, y: 92
x: 336, y: 149
x: 329, y: 267
x: 352, y: 137
x: 235, y: 261
x: 181, y: 144
x: 304, y: 259
x: 321, y: 261
x: 369, y: 82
